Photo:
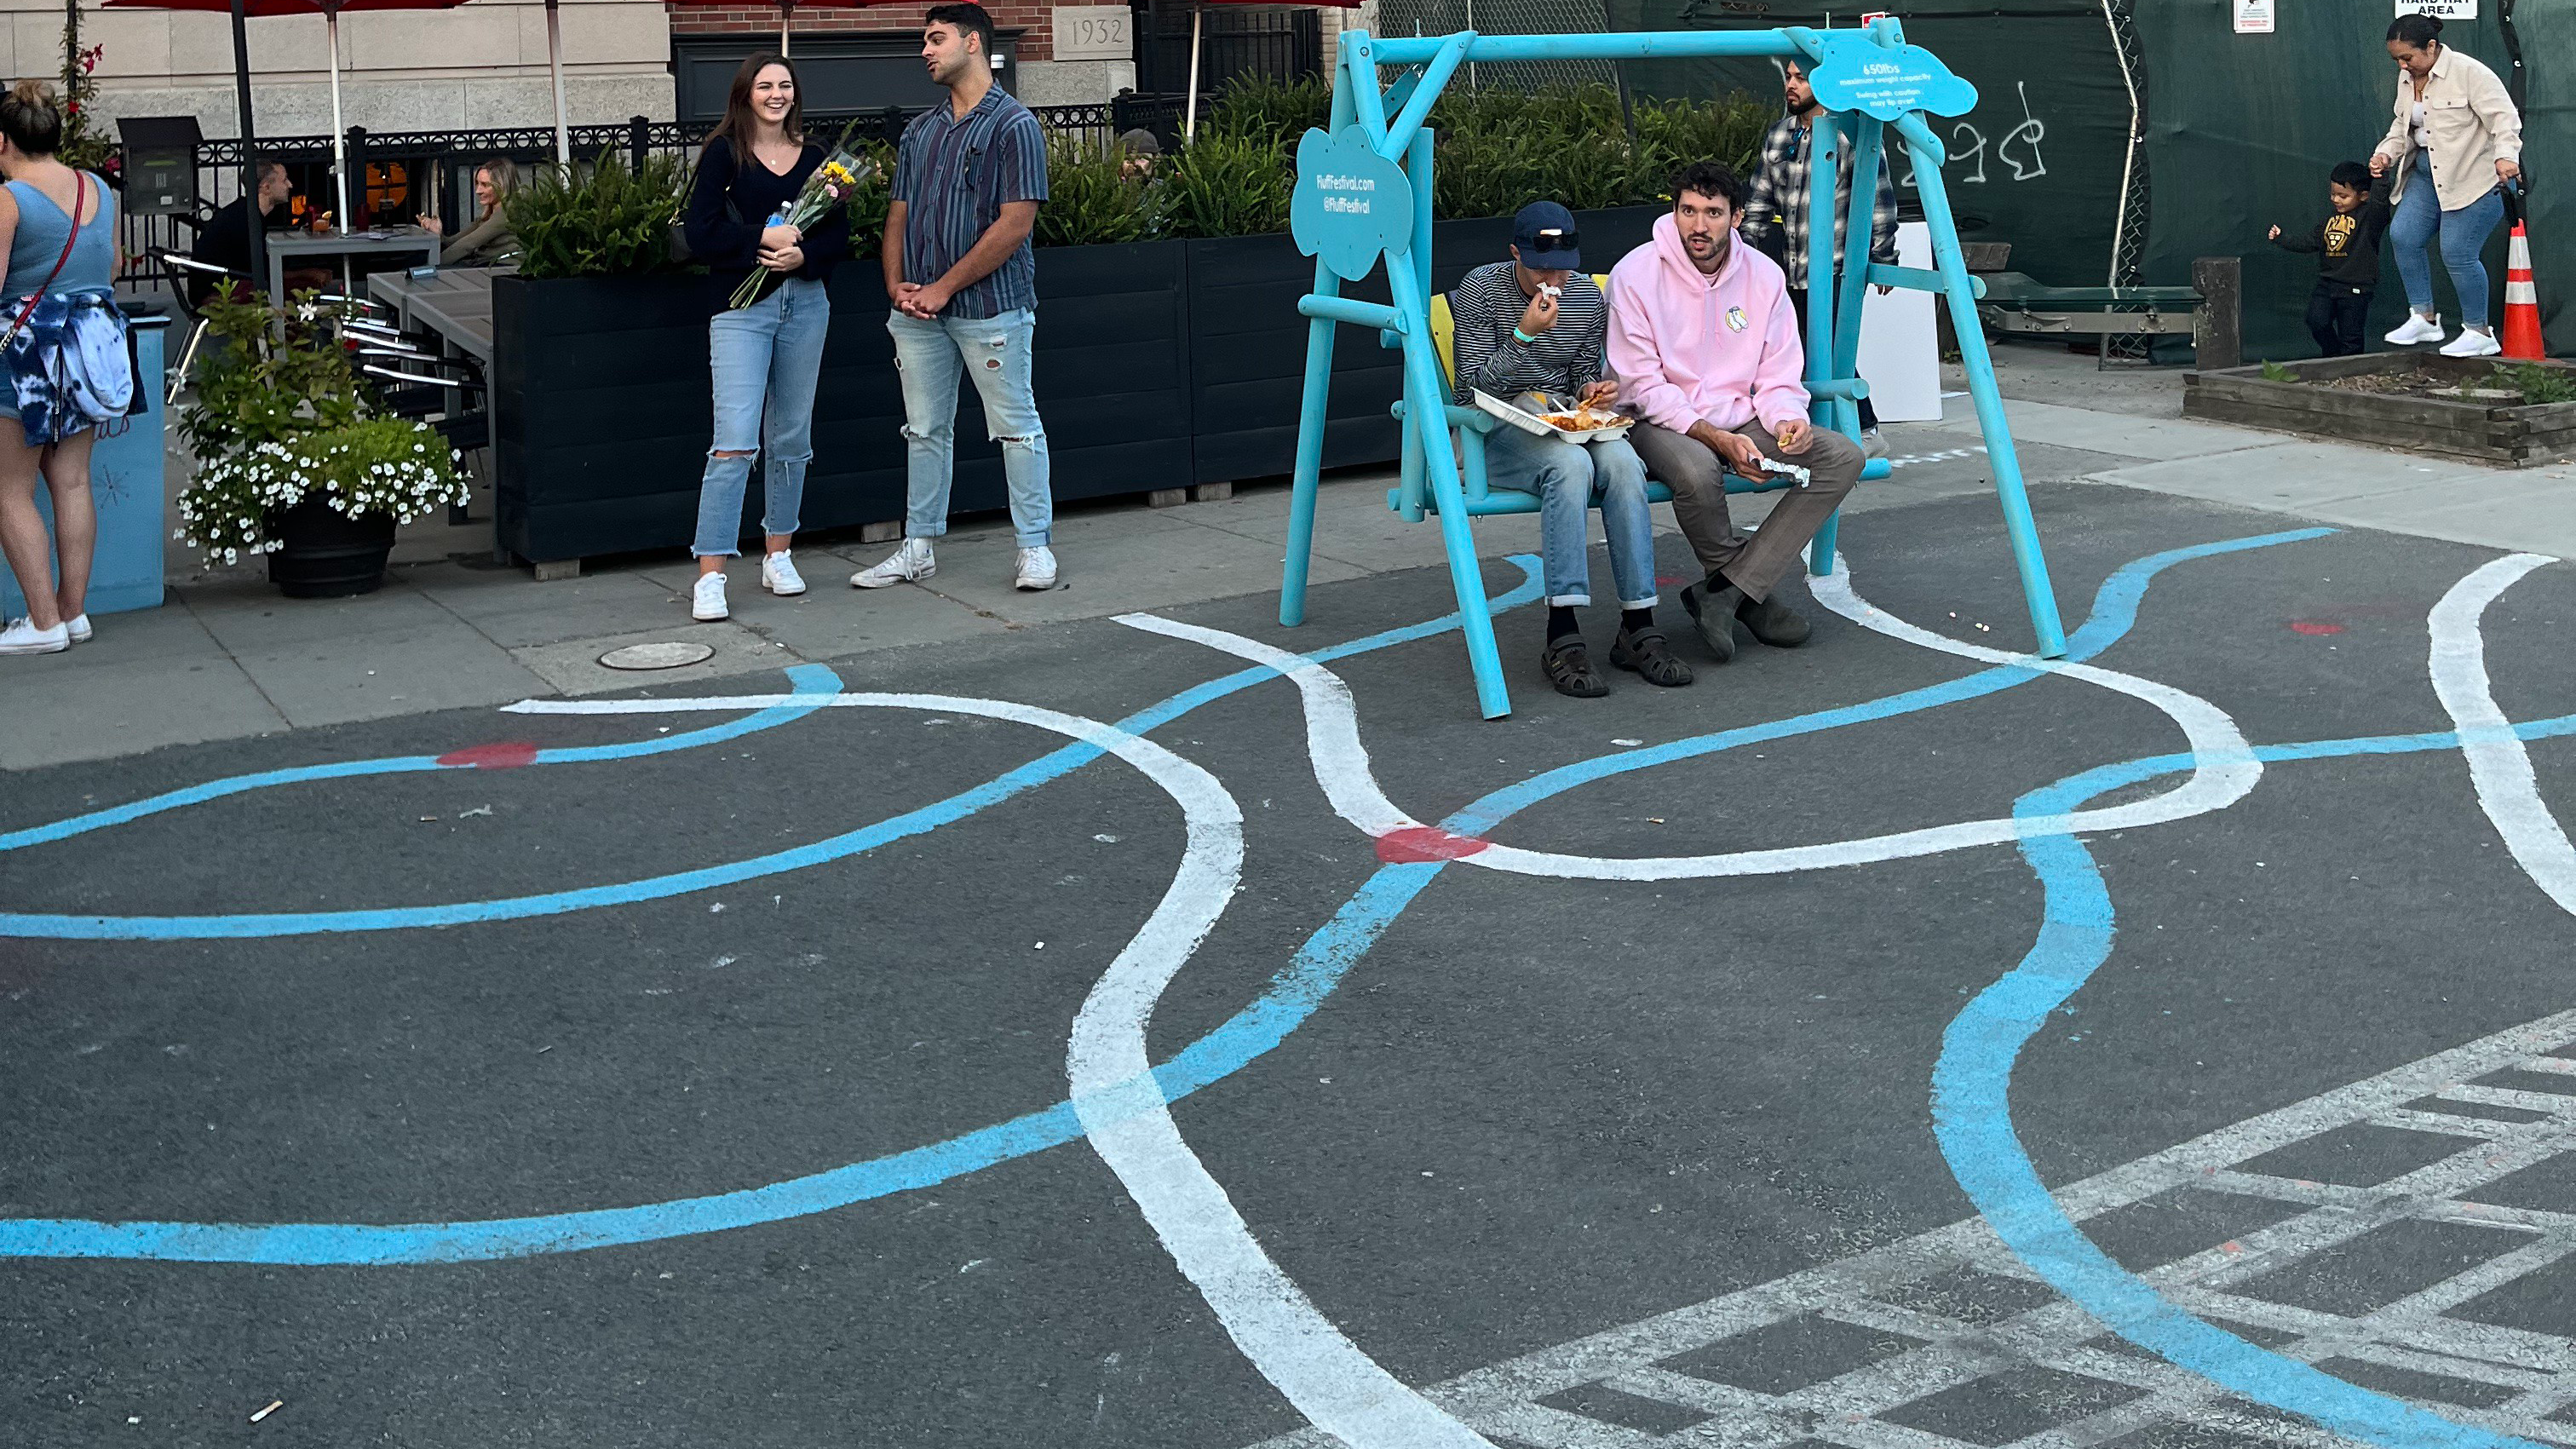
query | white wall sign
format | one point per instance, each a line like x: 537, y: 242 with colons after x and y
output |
x: 1094, y: 32
x: 2253, y: 17
x: 2440, y: 9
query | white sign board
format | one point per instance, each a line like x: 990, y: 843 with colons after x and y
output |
x: 2440, y: 9
x: 1900, y: 343
x: 1094, y: 32
x: 2253, y: 17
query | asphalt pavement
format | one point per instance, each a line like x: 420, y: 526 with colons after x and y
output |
x: 695, y: 1076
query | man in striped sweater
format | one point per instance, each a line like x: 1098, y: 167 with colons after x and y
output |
x: 1537, y: 323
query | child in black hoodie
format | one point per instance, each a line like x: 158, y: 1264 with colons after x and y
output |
x: 2348, y: 267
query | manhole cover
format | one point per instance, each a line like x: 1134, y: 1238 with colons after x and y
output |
x: 669, y: 655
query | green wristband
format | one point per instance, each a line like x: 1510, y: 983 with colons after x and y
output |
x: 1523, y: 336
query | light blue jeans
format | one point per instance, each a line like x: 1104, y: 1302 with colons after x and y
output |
x: 995, y: 352
x: 2420, y: 218
x: 766, y: 358
x: 1568, y: 479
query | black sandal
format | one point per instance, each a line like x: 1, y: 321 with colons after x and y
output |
x: 1646, y: 652
x: 1569, y: 667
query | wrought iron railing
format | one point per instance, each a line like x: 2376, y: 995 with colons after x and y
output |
x: 414, y: 157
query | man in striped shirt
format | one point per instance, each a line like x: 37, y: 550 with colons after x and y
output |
x: 968, y: 178
x: 1537, y: 324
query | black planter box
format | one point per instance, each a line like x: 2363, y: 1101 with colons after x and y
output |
x: 1248, y: 363
x: 1111, y: 375
x: 601, y: 415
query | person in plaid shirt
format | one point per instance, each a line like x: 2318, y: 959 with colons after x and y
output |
x: 1775, y: 212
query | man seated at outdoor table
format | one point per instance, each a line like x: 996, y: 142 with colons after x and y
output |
x: 1706, y: 351
x: 1535, y: 324
x: 224, y: 238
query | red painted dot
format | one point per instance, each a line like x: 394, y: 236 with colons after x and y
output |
x: 2314, y: 626
x: 1415, y: 844
x: 1669, y: 579
x: 499, y: 755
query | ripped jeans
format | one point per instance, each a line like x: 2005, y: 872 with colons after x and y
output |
x: 995, y: 352
x: 767, y: 357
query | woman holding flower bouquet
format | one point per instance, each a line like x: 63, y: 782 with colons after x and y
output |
x: 765, y: 217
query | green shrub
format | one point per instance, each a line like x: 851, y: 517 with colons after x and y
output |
x: 1261, y: 109
x: 603, y: 220
x: 1500, y: 150
x: 1090, y: 197
x: 1226, y: 185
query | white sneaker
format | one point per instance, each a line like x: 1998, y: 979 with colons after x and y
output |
x: 909, y: 564
x: 1872, y: 443
x: 79, y: 629
x: 706, y: 601
x: 23, y: 637
x: 1036, y: 570
x: 778, y: 575
x: 2473, y: 343
x: 2417, y: 328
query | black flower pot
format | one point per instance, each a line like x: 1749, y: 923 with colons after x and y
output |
x: 325, y: 554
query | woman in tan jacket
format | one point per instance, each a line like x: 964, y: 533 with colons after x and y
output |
x: 2454, y: 144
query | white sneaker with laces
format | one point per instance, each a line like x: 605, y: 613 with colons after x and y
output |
x: 2417, y: 328
x: 778, y: 575
x: 1036, y: 570
x: 79, y: 629
x: 2473, y: 343
x: 23, y: 637
x: 909, y: 564
x: 707, y: 601
x: 1873, y: 444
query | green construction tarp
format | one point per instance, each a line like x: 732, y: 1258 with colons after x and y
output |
x: 2036, y: 164
x: 2244, y: 128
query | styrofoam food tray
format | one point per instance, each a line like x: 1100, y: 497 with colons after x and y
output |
x: 1530, y: 422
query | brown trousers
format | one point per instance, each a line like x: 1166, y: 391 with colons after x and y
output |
x: 1752, y: 562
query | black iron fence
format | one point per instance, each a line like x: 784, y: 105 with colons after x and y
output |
x: 395, y: 177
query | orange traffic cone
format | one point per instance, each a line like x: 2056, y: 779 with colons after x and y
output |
x: 2521, y: 302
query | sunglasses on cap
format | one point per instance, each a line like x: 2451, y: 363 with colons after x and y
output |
x: 1557, y: 239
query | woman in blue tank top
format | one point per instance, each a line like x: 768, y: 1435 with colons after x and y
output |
x: 59, y: 226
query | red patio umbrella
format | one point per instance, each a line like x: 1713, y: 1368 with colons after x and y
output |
x: 330, y: 11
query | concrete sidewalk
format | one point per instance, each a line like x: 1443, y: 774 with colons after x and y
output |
x: 229, y: 657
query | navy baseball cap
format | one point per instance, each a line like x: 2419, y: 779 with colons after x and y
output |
x: 1545, y: 234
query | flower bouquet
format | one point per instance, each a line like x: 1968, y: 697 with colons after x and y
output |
x: 829, y: 186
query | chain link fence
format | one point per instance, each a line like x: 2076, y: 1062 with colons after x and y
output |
x: 1507, y: 17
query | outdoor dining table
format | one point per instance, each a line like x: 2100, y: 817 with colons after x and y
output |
x: 455, y: 303
x: 392, y: 241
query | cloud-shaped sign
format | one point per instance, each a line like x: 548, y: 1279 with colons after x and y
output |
x: 1856, y: 73
x: 1351, y: 204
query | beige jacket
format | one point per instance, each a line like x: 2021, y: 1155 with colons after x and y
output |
x: 2473, y: 125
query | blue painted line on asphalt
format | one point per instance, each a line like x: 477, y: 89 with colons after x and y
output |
x: 803, y: 679
x: 551, y: 903
x: 1293, y: 996
x: 1972, y: 1117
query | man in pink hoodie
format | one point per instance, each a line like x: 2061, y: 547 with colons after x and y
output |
x: 1705, y: 347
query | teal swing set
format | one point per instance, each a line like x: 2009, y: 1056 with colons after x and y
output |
x: 1363, y: 198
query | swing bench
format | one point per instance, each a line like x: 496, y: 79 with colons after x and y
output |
x: 1362, y: 200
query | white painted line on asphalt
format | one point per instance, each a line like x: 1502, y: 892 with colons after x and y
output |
x: 2499, y: 767
x: 2224, y: 769
x: 1328, y: 1378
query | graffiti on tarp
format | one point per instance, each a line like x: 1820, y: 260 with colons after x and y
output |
x: 2019, y: 148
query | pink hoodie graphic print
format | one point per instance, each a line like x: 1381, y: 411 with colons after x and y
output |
x: 1688, y: 348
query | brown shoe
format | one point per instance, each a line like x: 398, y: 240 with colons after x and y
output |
x: 1646, y: 652
x: 1568, y: 662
